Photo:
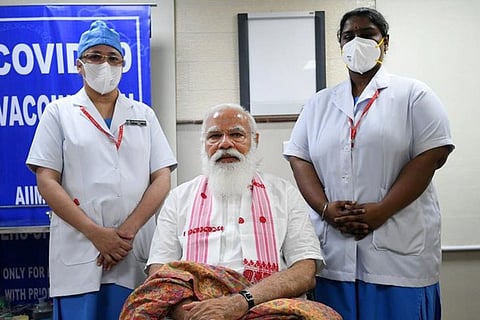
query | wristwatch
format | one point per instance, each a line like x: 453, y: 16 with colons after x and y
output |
x: 248, y: 297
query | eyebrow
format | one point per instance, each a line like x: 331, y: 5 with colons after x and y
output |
x: 217, y: 129
x: 367, y: 29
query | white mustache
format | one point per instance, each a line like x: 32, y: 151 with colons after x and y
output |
x: 227, y: 152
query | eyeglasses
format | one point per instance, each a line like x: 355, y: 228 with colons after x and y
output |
x: 97, y: 58
x: 238, y: 136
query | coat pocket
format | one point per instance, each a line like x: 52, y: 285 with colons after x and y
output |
x: 75, y: 247
x: 404, y: 232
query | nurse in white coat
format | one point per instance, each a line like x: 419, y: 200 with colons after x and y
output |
x: 103, y: 165
x: 363, y: 154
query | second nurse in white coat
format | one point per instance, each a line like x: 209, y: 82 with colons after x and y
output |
x: 363, y: 154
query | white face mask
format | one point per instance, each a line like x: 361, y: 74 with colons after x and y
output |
x: 361, y: 55
x: 102, y: 78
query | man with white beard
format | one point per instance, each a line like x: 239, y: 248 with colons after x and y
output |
x: 247, y: 230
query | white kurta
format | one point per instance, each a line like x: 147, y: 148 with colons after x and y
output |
x: 107, y: 182
x: 406, y: 119
x: 295, y: 236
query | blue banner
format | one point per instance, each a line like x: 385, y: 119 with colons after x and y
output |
x: 38, y: 51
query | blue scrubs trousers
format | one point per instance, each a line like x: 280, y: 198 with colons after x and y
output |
x: 104, y: 304
x: 366, y: 301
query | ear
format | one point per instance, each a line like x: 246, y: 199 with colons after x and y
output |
x: 386, y: 42
x: 257, y: 135
x: 79, y: 66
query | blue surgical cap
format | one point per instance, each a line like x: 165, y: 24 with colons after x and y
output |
x: 99, y: 33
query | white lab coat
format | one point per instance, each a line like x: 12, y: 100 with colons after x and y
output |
x: 108, y: 184
x: 406, y: 119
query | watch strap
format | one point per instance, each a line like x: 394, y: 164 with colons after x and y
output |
x: 248, y: 297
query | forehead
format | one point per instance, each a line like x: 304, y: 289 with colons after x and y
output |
x: 227, y: 119
x: 359, y: 23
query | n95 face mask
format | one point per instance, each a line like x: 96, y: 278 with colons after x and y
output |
x: 361, y: 55
x: 102, y: 78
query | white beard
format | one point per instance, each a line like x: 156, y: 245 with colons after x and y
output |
x: 229, y: 179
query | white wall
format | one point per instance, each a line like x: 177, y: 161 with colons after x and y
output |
x: 207, y: 49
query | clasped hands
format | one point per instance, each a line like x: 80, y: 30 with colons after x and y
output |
x: 355, y: 219
x: 113, y: 246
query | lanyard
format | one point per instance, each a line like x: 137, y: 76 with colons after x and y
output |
x: 354, y: 128
x: 99, y: 127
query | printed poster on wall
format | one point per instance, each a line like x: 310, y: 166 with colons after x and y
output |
x: 38, y: 51
x: 24, y: 268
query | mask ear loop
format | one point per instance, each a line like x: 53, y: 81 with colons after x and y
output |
x: 378, y: 46
x: 381, y: 42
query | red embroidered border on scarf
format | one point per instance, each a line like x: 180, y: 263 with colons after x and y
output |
x: 266, y: 261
